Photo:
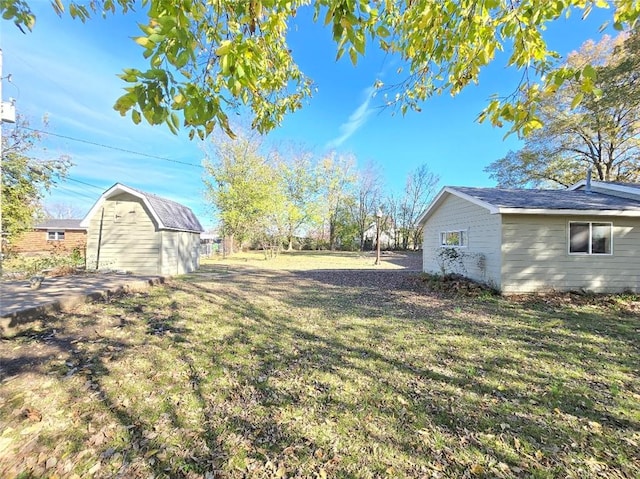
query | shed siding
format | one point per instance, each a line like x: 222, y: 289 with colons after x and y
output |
x: 483, y: 233
x: 129, y: 237
x: 536, y: 257
x: 180, y: 252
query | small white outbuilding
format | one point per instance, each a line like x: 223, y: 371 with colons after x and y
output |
x: 131, y: 230
x: 586, y: 237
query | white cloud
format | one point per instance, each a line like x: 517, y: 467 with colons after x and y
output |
x: 355, y: 121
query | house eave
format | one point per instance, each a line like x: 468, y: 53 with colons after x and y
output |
x: 605, y: 186
x: 57, y: 228
x: 567, y: 212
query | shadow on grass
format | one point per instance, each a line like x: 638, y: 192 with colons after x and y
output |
x: 263, y: 373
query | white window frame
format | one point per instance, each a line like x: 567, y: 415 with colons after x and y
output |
x: 56, y: 235
x: 463, y: 236
x: 590, y: 241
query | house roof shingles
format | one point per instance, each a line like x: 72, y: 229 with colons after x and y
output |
x: 549, y: 199
x: 60, y: 224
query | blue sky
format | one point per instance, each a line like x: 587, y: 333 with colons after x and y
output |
x: 68, y: 71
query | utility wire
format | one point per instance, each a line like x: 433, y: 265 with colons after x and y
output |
x: 83, y: 183
x: 113, y: 147
x: 74, y: 192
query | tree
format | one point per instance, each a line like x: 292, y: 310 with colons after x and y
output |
x: 240, y: 185
x: 207, y: 59
x: 418, y: 191
x: 62, y: 211
x: 601, y: 133
x: 25, y: 179
x: 336, y: 178
x: 300, y: 188
x: 367, y: 200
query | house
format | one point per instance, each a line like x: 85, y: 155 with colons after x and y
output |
x: 53, y: 235
x: 586, y: 237
x: 131, y: 230
x: 386, y: 237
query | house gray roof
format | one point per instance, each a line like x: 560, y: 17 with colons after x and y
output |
x: 60, y: 224
x: 167, y: 213
x: 549, y: 199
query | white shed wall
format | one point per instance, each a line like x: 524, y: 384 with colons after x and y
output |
x: 180, y: 252
x: 127, y: 236
x: 483, y: 234
x: 536, y: 257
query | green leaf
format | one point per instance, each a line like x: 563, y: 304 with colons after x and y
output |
x: 353, y: 55
x: 224, y: 48
x: 577, y: 100
x: 589, y: 72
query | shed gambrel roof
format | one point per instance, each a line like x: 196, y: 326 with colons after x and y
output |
x: 168, y: 214
x: 543, y: 202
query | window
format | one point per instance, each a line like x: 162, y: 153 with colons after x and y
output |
x: 453, y: 238
x: 54, y: 235
x: 590, y: 238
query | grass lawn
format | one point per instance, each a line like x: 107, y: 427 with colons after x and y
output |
x: 275, y: 371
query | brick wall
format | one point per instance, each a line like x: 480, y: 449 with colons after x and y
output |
x: 36, y: 242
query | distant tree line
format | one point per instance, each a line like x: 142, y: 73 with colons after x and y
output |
x: 290, y: 199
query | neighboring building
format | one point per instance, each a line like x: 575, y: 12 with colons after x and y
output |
x: 586, y: 237
x: 386, y: 237
x: 54, y: 235
x: 135, y: 231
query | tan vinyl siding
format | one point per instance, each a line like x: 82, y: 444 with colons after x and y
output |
x: 129, y: 238
x: 536, y: 257
x: 483, y: 235
x: 180, y: 252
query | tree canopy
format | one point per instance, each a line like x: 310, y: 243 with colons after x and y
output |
x: 208, y: 58
x: 602, y: 132
x: 25, y: 179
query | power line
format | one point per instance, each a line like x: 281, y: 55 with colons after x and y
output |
x: 74, y: 192
x: 83, y: 183
x: 112, y: 147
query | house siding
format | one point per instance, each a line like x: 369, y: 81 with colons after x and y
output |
x: 483, y: 234
x: 536, y: 258
x: 129, y: 239
x: 36, y: 242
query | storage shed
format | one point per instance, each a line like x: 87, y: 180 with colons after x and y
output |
x: 131, y: 230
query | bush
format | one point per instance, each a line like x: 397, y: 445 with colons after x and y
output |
x: 55, y: 264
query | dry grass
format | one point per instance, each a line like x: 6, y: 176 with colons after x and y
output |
x: 319, y: 260
x: 249, y: 372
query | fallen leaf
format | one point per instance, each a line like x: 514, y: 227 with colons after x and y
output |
x: 51, y: 463
x: 32, y: 414
x: 477, y: 469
